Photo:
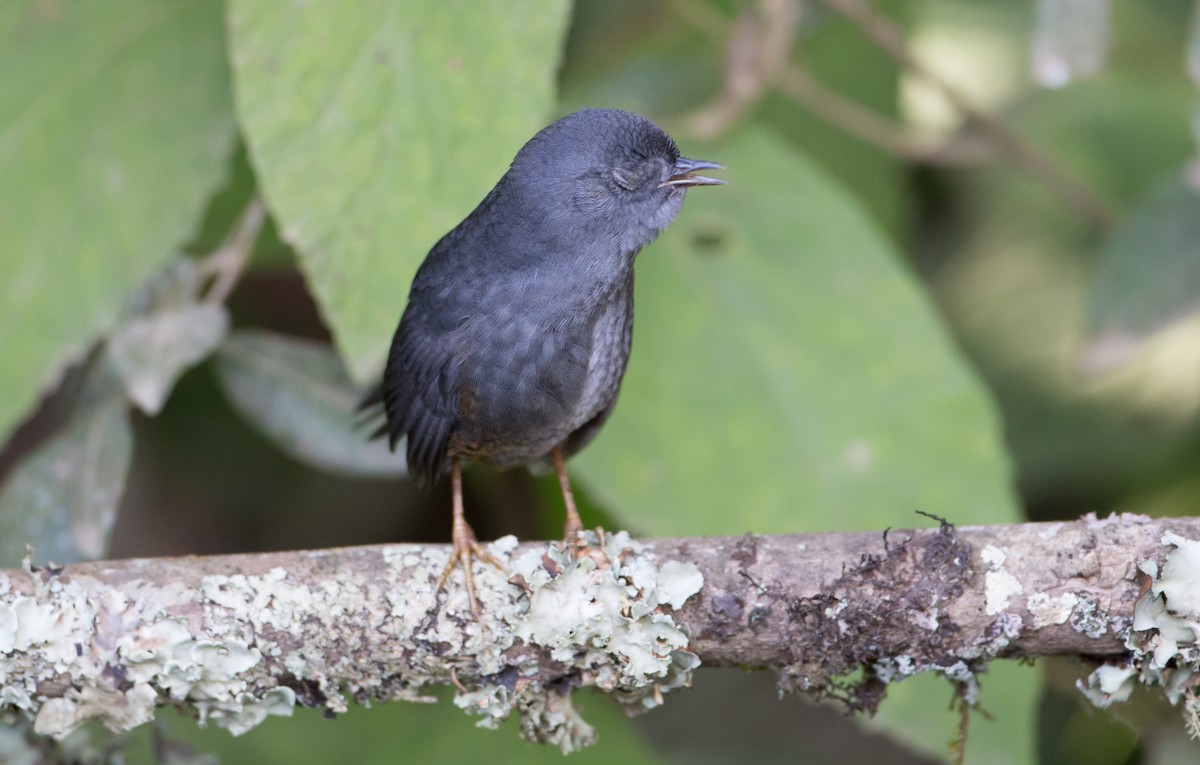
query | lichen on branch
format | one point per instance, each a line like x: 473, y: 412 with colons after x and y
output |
x: 236, y: 638
x: 243, y: 645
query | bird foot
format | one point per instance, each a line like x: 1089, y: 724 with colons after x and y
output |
x: 576, y: 544
x: 579, y: 547
x: 467, y: 550
x: 575, y: 540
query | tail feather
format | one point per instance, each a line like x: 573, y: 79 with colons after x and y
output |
x: 371, y: 401
x: 370, y: 413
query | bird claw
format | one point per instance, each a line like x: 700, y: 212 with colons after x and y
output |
x: 574, y: 539
x: 466, y: 551
x: 577, y: 546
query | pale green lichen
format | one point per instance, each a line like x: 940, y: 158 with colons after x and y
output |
x: 8, y: 628
x: 238, y: 647
x: 968, y: 681
x: 601, y: 616
x: 893, y: 669
x: 1110, y: 684
x: 61, y: 630
x: 551, y: 718
x: 1164, y: 638
x: 118, y: 710
x: 1180, y: 579
x: 1090, y: 619
x: 1000, y: 634
x: 999, y: 584
x: 1048, y: 611
x: 248, y: 710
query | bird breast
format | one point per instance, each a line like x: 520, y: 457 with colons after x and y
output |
x: 538, y: 368
x: 612, y: 333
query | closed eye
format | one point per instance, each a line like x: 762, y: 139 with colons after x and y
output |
x: 625, y: 179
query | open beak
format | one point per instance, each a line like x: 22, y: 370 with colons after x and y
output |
x: 681, y: 174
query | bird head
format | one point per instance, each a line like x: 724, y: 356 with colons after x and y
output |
x: 622, y: 178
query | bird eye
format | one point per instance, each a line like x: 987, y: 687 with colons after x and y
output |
x: 625, y: 179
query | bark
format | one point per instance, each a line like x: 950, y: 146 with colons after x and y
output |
x: 237, y: 637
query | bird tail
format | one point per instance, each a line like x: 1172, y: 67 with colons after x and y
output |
x: 371, y: 414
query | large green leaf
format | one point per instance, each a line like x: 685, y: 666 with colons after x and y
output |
x: 171, y: 330
x: 788, y: 374
x: 297, y: 393
x: 374, y: 128
x: 115, y: 124
x: 917, y: 712
x: 1015, y: 286
x: 62, y: 498
x: 1148, y: 272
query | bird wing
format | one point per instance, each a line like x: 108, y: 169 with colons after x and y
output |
x: 419, y: 391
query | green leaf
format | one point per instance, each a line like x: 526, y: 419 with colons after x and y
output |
x: 1015, y: 285
x: 171, y: 332
x: 151, y: 352
x: 115, y: 125
x: 375, y: 128
x: 917, y: 712
x: 840, y: 56
x: 788, y: 374
x: 1148, y: 272
x: 1098, y: 133
x: 63, y: 497
x: 297, y: 393
x: 423, y: 733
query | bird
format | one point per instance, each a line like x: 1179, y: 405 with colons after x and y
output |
x: 517, y: 331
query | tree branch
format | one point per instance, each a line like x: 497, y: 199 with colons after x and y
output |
x: 238, y: 637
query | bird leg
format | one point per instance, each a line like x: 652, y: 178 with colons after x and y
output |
x: 465, y: 545
x: 573, y: 528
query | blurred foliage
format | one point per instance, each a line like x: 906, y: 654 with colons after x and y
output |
x: 117, y: 124
x: 421, y: 733
x: 63, y: 499
x: 796, y: 364
x: 374, y: 132
x: 298, y: 393
x: 1148, y: 274
x: 849, y: 331
x: 924, y: 714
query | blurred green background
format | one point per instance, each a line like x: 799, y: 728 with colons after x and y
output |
x: 899, y: 302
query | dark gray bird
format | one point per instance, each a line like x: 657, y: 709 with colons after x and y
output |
x: 517, y: 330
